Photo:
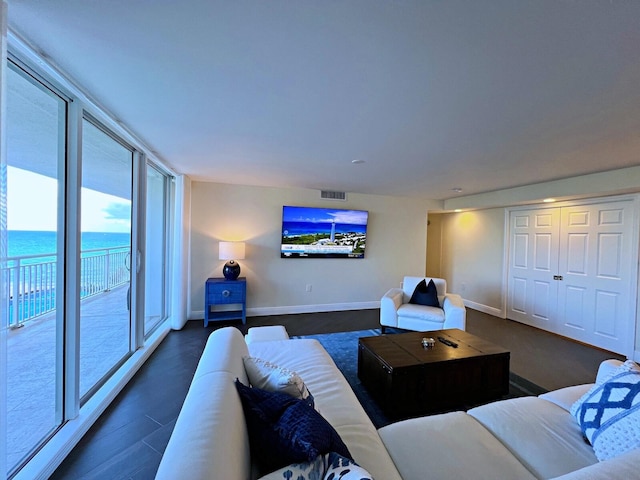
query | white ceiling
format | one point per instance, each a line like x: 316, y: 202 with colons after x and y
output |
x: 431, y: 94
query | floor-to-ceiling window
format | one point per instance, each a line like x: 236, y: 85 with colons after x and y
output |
x: 157, y: 250
x: 105, y: 332
x: 35, y: 136
x: 77, y: 199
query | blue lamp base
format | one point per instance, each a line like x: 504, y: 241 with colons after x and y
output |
x: 231, y: 270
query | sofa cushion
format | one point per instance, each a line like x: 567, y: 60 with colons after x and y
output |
x: 285, y: 430
x: 266, y: 333
x: 451, y: 445
x: 421, y: 312
x: 330, y: 466
x: 425, y: 294
x: 274, y: 378
x: 542, y: 435
x: 609, y: 416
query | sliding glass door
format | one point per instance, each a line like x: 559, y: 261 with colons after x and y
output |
x: 35, y: 136
x: 105, y: 260
x: 85, y: 242
x: 85, y: 219
x: 156, y: 251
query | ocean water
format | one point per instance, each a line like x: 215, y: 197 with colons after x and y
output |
x: 36, y: 276
x: 22, y: 242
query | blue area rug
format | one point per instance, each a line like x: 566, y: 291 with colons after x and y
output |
x: 343, y: 348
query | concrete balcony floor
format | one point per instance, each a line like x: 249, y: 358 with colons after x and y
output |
x: 34, y: 406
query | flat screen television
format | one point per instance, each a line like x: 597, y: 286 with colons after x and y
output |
x: 309, y: 232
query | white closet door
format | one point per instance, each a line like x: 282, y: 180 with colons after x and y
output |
x: 597, y: 260
x: 533, y: 263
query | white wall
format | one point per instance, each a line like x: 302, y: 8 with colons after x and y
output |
x: 472, y: 258
x: 396, y: 240
x: 434, y: 246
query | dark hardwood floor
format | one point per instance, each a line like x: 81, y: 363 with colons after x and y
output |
x: 128, y: 440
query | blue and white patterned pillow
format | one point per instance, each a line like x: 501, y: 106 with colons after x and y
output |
x: 274, y: 378
x: 313, y: 470
x: 330, y: 466
x: 627, y: 366
x: 609, y: 414
x: 341, y: 468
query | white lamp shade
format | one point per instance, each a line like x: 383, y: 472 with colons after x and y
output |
x: 231, y: 251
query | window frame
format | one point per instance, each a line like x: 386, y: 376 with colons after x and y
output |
x: 79, y: 415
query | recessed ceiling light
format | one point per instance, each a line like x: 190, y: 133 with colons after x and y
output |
x: 549, y: 200
x: 457, y: 190
x: 357, y: 161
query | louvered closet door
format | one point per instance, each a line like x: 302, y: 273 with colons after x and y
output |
x: 597, y: 261
x: 534, y: 238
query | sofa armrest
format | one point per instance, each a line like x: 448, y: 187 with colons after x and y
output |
x: 606, y: 368
x: 455, y: 313
x: 209, y: 439
x: 622, y: 467
x: 567, y: 396
x: 389, y: 304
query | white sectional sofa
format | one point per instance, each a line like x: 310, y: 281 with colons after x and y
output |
x: 523, y: 438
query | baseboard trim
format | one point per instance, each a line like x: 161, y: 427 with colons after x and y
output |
x: 337, y: 307
x: 294, y: 309
x: 328, y: 307
x: 496, y: 312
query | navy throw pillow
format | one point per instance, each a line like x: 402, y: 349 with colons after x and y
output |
x: 425, y: 294
x: 285, y: 430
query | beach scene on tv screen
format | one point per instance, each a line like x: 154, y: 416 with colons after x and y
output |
x: 323, y: 232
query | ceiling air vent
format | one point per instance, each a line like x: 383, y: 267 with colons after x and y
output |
x: 329, y: 195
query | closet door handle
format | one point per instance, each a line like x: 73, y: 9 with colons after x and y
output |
x: 557, y: 277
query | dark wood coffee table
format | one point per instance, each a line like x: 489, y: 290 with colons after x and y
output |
x: 407, y: 379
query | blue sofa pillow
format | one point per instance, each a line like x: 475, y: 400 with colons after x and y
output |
x: 285, y: 430
x: 425, y: 294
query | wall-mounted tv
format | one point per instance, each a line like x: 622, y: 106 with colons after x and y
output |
x: 309, y: 232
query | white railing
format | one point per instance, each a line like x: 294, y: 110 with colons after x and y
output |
x: 32, y: 280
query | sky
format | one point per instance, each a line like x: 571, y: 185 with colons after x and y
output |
x: 324, y: 215
x: 32, y: 205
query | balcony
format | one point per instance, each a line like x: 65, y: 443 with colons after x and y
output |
x: 34, y: 406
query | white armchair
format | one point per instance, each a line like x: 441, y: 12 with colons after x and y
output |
x: 396, y: 311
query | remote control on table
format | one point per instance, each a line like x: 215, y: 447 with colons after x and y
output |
x: 448, y: 342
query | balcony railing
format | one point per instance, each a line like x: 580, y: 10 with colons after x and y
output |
x: 32, y: 280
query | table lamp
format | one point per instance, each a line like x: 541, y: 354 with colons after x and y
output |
x: 231, y: 251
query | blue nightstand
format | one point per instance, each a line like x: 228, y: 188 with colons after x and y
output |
x: 220, y: 298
